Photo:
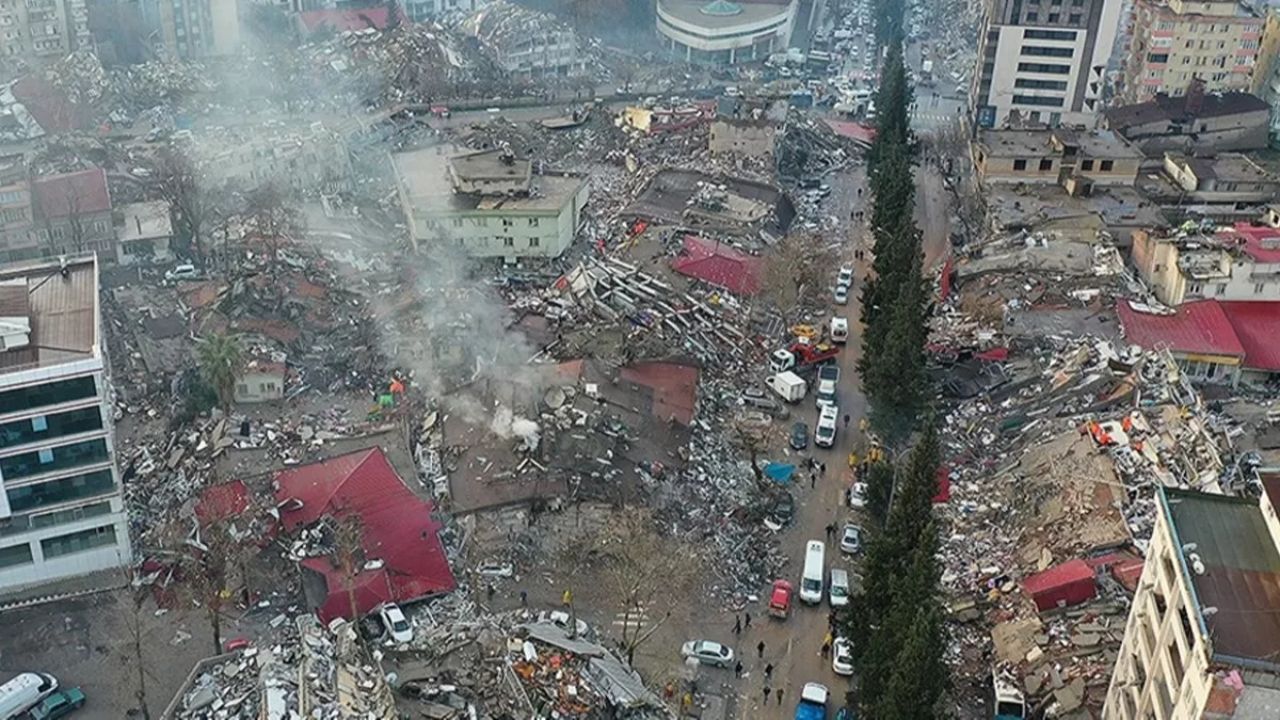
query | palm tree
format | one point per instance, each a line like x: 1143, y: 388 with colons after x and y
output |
x: 220, y: 361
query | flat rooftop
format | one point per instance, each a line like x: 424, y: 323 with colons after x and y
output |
x: 1241, y: 577
x: 1105, y: 144
x: 61, y: 305
x: 424, y: 176
x: 1227, y: 166
x: 718, y: 15
x: 144, y: 221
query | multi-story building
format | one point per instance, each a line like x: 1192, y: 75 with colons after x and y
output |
x: 419, y: 10
x: 525, y: 42
x: 193, y: 28
x: 1237, y: 263
x: 62, y: 510
x: 304, y: 159
x: 64, y: 214
x: 1075, y: 159
x: 43, y: 29
x: 1193, y: 122
x: 724, y: 32
x: 489, y: 202
x: 1043, y: 62
x: 1177, y: 41
x: 1203, y: 636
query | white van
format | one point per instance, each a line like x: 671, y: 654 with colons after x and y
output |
x: 24, y: 692
x: 815, y: 568
x: 825, y: 435
x: 838, y: 591
x: 839, y: 330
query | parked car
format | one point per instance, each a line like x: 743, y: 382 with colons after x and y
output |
x: 708, y: 653
x: 783, y: 509
x: 841, y: 295
x: 799, y: 436
x: 780, y: 599
x: 24, y: 691
x: 397, y: 625
x: 838, y: 588
x: 851, y: 539
x: 59, y: 704
x: 185, y: 271
x: 842, y: 656
x: 858, y: 496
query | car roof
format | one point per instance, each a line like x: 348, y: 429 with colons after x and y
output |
x: 814, y: 692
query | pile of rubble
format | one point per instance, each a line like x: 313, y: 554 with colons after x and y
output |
x: 809, y: 148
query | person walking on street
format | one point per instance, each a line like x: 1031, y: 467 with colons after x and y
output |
x: 524, y: 598
x: 831, y: 531
x: 746, y: 621
x: 822, y: 468
x: 768, y: 671
x: 737, y: 669
x: 490, y: 591
x: 778, y: 692
x: 846, y: 421
x: 826, y: 649
x: 813, y: 480
x: 737, y: 625
x: 766, y: 693
x: 760, y: 649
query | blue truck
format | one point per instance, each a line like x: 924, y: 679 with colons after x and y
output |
x: 813, y: 702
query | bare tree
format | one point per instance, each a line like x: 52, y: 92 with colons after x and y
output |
x: 275, y: 219
x: 756, y: 436
x: 797, y: 271
x: 192, y: 206
x: 643, y: 574
x: 212, y: 557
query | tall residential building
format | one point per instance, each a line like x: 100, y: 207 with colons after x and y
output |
x: 62, y: 510
x: 1203, y: 636
x: 1177, y: 41
x: 189, y: 29
x: 1043, y: 62
x: 43, y: 29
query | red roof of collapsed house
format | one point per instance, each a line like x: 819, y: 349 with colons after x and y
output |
x: 375, y: 17
x: 674, y: 388
x: 68, y: 194
x: 222, y: 502
x: 397, y: 528
x: 1262, y: 243
x: 1070, y: 583
x: 856, y: 131
x: 719, y: 265
x: 1196, y: 327
x: 48, y: 105
x: 1238, y: 328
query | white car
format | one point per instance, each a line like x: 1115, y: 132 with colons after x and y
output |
x: 841, y: 295
x: 858, y: 496
x: 708, y: 653
x: 397, y: 625
x: 851, y: 539
x: 186, y: 271
x: 842, y: 657
x: 846, y: 276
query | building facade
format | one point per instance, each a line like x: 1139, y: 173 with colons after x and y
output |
x: 1178, y: 41
x: 1043, y: 62
x: 1071, y: 158
x: 420, y: 10
x: 43, y: 30
x: 1239, y: 263
x: 189, y: 29
x: 64, y: 214
x: 489, y: 203
x: 1203, y: 634
x: 525, y: 42
x: 721, y: 32
x: 62, y: 510
x: 749, y: 138
x: 1195, y: 121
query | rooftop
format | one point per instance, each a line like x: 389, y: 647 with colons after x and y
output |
x: 1231, y: 167
x: 1105, y: 144
x: 62, y: 307
x: 490, y: 171
x: 75, y: 193
x: 145, y: 220
x: 1163, y: 108
x: 424, y: 176
x: 1241, y: 578
x: 376, y: 17
x: 1238, y: 328
x: 695, y: 12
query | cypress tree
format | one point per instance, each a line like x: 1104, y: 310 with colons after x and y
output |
x: 879, y: 486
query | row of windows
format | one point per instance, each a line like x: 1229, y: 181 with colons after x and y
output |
x: 484, y: 222
x: 60, y: 546
x: 1037, y: 100
x: 1046, y: 51
x: 56, y: 492
x: 19, y: 524
x: 1221, y: 289
x: 39, y: 462
x: 54, y: 393
x: 1028, y: 84
x: 40, y: 427
x: 1036, y: 34
x: 1054, y: 18
x: 1046, y: 164
x: 1044, y: 68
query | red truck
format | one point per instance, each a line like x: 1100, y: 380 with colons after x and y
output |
x: 803, y: 356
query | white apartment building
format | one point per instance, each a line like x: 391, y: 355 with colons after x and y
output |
x: 488, y: 202
x: 1043, y: 62
x: 43, y: 29
x: 1203, y: 636
x: 724, y: 32
x: 62, y: 510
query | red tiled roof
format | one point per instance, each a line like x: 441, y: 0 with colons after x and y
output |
x: 1253, y: 236
x: 718, y: 265
x: 48, y: 105
x: 1199, y: 327
x: 856, y: 131
x: 81, y: 192
x: 674, y: 387
x: 281, y: 332
x: 1257, y: 326
x: 222, y: 502
x: 1070, y: 583
x: 396, y: 524
x: 348, y: 20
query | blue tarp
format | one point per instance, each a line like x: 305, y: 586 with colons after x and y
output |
x: 779, y: 472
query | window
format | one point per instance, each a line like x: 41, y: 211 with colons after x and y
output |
x: 507, y: 222
x: 1158, y: 57
x: 1086, y: 165
x: 43, y: 461
x: 508, y: 242
x: 79, y: 541
x: 70, y: 515
x: 1258, y: 288
x: 1046, y: 51
x: 56, y: 492
x: 35, y: 396
x: 1019, y: 165
x: 1074, y: 18
x: 1029, y: 84
x: 20, y: 432
x: 1046, y: 164
x: 533, y: 222
x: 535, y: 242
x: 10, y: 215
x: 1044, y: 68
x: 15, y: 555
x: 1107, y: 165
x: 457, y: 222
x: 1055, y: 17
x: 1033, y: 16
x: 1196, y: 288
x: 1033, y: 34
x: 1036, y: 100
